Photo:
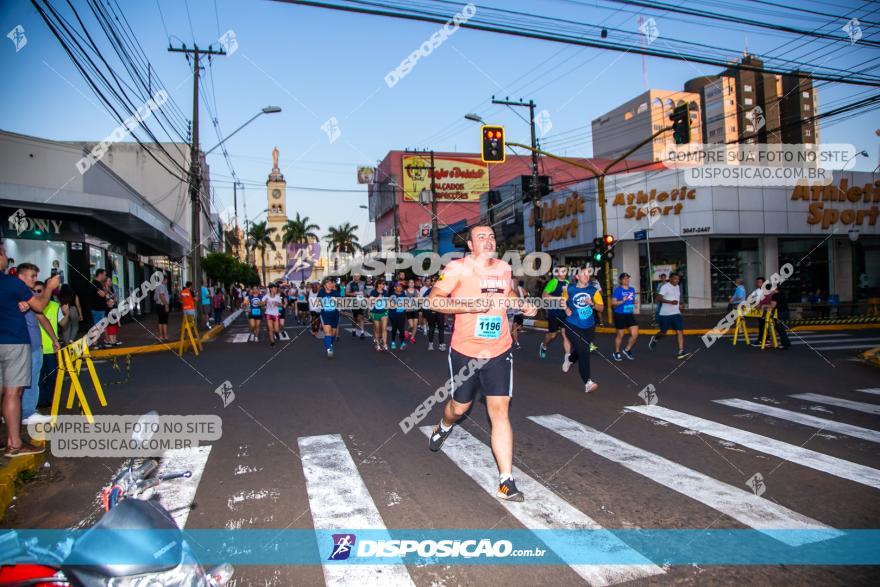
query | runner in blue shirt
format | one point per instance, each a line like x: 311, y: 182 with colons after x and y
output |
x: 582, y: 303
x: 328, y: 299
x: 623, y: 300
x: 253, y: 304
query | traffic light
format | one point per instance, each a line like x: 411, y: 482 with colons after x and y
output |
x: 493, y: 144
x: 681, y: 124
x: 597, y: 256
x: 602, y: 248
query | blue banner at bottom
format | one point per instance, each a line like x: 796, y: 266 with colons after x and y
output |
x: 346, y: 546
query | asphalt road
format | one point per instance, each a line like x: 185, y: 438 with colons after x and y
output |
x: 305, y: 434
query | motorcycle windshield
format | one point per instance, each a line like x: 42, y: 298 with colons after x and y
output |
x: 134, y: 538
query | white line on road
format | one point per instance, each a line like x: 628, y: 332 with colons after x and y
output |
x: 823, y: 340
x: 178, y: 495
x: 847, y: 347
x: 841, y: 403
x: 789, y: 452
x: 328, y: 466
x: 240, y: 337
x: 544, y: 510
x: 872, y: 390
x: 741, y: 505
x: 805, y: 419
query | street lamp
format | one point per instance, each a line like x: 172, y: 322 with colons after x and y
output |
x: 266, y: 110
x: 474, y: 117
x: 862, y: 153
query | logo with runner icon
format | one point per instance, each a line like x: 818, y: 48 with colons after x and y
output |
x: 342, y: 545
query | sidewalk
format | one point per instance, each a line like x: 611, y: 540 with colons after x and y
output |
x: 144, y: 330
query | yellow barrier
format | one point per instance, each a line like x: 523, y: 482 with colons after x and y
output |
x: 70, y: 362
x: 189, y: 332
x: 767, y: 315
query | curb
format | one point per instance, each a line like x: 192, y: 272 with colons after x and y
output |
x: 10, y: 472
x: 165, y: 346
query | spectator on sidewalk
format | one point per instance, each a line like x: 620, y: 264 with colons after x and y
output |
x: 780, y: 302
x: 112, y: 302
x: 163, y: 306
x: 15, y: 355
x: 72, y: 311
x: 218, y: 303
x: 658, y: 303
x: 205, y: 296
x: 12, y: 270
x: 27, y: 273
x: 739, y: 295
x: 188, y: 302
x: 98, y: 301
x: 50, y: 320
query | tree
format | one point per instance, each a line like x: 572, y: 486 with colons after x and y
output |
x: 262, y: 238
x: 299, y: 230
x: 220, y: 267
x: 343, y: 239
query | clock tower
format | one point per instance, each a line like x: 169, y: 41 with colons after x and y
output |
x: 276, y: 195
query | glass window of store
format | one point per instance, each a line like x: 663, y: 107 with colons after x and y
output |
x: 866, y: 261
x: 97, y: 260
x: 117, y: 273
x: 49, y: 256
x: 666, y: 257
x: 809, y: 257
x: 732, y: 258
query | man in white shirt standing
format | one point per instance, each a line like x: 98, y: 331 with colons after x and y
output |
x: 669, y: 316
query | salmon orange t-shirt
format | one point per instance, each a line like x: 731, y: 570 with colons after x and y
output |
x: 186, y: 299
x: 478, y: 332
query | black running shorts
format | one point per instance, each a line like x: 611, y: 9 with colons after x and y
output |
x: 471, y: 376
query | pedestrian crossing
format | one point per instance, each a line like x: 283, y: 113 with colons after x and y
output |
x: 818, y: 340
x: 341, y: 499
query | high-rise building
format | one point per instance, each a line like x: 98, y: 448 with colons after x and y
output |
x: 799, y: 104
x: 621, y: 129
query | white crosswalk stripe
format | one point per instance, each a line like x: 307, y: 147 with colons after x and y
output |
x: 841, y: 403
x: 741, y: 505
x: 847, y: 347
x: 805, y: 419
x: 872, y: 391
x: 329, y: 468
x: 798, y: 455
x: 543, y: 509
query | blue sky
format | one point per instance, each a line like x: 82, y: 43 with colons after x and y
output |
x: 318, y: 64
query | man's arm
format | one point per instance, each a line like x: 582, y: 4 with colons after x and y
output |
x: 528, y: 309
x: 38, y: 301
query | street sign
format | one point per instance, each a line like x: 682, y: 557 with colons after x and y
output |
x: 640, y: 235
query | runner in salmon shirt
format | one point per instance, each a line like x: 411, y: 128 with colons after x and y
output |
x: 476, y: 290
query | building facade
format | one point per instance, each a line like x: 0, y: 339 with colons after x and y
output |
x: 712, y: 235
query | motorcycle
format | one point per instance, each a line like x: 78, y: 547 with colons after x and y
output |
x: 155, y: 552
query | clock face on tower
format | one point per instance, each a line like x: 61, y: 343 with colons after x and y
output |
x: 276, y: 193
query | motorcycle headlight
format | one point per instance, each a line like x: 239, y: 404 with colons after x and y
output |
x: 188, y: 573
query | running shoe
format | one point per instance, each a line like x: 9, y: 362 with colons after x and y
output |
x: 508, y: 491
x: 629, y: 354
x: 393, y: 346
x: 353, y: 332
x: 442, y: 347
x: 403, y: 346
x: 516, y: 345
x: 566, y: 363
x: 682, y: 355
x: 542, y: 351
x: 593, y: 348
x: 330, y: 353
x: 378, y: 347
x: 652, y: 343
x: 272, y: 343
x: 617, y: 357
x: 590, y: 386
x: 430, y: 346
x: 363, y: 335
x: 438, y: 437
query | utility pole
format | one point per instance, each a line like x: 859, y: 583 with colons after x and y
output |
x: 536, y: 189
x: 435, y: 243
x: 235, y: 205
x: 195, y: 167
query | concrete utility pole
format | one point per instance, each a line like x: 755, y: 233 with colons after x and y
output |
x: 536, y: 189
x: 435, y: 230
x: 195, y: 167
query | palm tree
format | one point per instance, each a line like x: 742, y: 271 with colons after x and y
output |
x: 343, y: 239
x: 262, y: 238
x: 299, y: 230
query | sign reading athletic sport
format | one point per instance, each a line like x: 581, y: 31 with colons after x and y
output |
x: 857, y: 200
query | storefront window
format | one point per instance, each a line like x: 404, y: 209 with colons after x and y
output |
x: 666, y: 258
x: 117, y: 273
x: 809, y: 257
x: 732, y: 258
x: 49, y: 256
x: 96, y: 260
x: 866, y: 259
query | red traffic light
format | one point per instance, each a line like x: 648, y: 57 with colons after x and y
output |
x: 493, y: 134
x: 609, y: 240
